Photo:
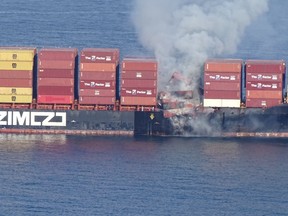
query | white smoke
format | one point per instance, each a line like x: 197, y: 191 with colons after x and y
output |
x: 184, y: 33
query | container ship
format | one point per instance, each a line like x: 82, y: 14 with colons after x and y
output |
x: 93, y: 92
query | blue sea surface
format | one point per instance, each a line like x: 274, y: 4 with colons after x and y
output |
x: 86, y: 175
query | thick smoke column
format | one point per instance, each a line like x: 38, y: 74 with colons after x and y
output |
x: 184, y: 33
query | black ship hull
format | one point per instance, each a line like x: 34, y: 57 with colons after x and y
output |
x: 224, y: 122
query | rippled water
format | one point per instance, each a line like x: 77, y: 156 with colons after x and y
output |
x: 66, y: 175
x: 69, y: 175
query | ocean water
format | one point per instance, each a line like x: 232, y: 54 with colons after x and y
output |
x: 80, y: 175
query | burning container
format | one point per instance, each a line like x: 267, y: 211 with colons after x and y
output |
x: 222, y: 83
x: 138, y: 83
x: 56, y: 75
x: 16, y: 74
x: 264, y: 82
x: 99, y: 77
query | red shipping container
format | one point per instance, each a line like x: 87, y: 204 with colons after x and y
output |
x: 61, y: 54
x: 98, y: 75
x: 98, y: 67
x: 211, y: 94
x: 139, y: 75
x: 138, y: 101
x: 55, y: 90
x: 222, y: 77
x: 100, y: 92
x: 4, y: 74
x: 25, y: 83
x: 263, y: 77
x: 138, y: 92
x: 141, y: 64
x: 223, y: 65
x: 55, y: 82
x: 222, y: 86
x: 97, y: 84
x: 55, y: 73
x: 262, y: 103
x: 56, y: 64
x: 138, y: 83
x: 264, y: 86
x: 97, y: 100
x: 265, y: 66
x: 55, y: 99
x: 261, y: 94
x: 100, y: 55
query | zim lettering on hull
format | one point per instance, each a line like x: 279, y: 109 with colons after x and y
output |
x: 28, y: 118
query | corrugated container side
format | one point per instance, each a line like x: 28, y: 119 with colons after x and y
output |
x: 261, y: 94
x: 9, y: 74
x: 264, y: 86
x: 212, y: 94
x: 97, y: 93
x: 99, y: 55
x: 262, y: 103
x: 15, y: 91
x: 55, y: 90
x: 55, y: 99
x: 25, y: 83
x: 223, y: 66
x: 138, y: 64
x: 55, y: 64
x: 16, y: 65
x: 17, y: 55
x: 129, y: 83
x: 222, y: 86
x: 15, y: 98
x: 55, y: 82
x: 97, y: 84
x: 222, y: 77
x: 265, y: 66
x: 139, y: 75
x: 55, y: 73
x: 98, y: 75
x: 59, y: 54
x: 138, y: 92
x: 138, y: 101
x: 98, y: 67
x: 250, y: 77
x: 230, y: 103
x: 97, y: 100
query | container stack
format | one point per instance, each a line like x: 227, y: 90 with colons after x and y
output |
x: 222, y: 83
x: 138, y: 83
x: 16, y: 74
x: 264, y: 83
x: 99, y: 71
x: 56, y: 74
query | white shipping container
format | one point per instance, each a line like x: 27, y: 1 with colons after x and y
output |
x: 231, y: 103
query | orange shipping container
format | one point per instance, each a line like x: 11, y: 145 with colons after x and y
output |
x: 223, y: 65
x: 98, y: 67
x: 138, y: 101
x: 261, y: 103
x: 259, y: 94
x: 141, y: 64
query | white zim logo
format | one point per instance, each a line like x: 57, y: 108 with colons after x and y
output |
x: 54, y: 119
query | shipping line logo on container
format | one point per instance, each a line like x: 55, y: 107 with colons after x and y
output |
x: 26, y: 118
